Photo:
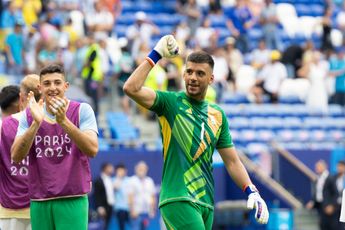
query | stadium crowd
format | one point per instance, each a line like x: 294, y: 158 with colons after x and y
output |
x: 84, y: 36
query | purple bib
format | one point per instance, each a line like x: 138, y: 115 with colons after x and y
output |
x: 57, y: 167
x: 13, y: 177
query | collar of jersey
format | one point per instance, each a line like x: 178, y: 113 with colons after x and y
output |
x: 48, y: 117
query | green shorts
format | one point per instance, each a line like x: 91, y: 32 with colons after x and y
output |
x: 185, y: 215
x: 60, y: 214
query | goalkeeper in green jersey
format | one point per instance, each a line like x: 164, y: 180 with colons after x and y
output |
x: 191, y: 129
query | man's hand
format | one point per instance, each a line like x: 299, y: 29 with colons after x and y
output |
x: 167, y: 46
x: 36, y: 109
x: 58, y: 107
x: 255, y: 201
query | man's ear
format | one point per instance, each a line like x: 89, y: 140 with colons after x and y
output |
x: 211, y: 79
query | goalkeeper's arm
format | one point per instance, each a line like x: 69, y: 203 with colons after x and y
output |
x: 239, y: 174
x: 133, y: 87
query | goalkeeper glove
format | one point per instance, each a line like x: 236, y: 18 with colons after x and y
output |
x: 165, y: 47
x: 255, y: 201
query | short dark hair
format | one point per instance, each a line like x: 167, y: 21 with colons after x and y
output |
x: 8, y: 95
x: 105, y: 165
x: 120, y: 166
x: 341, y: 162
x: 201, y: 57
x: 52, y: 68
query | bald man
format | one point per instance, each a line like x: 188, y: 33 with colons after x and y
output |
x: 14, y: 197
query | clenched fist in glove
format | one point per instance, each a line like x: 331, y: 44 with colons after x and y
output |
x: 255, y: 201
x: 166, y: 47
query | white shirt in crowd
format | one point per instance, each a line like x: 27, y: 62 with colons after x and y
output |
x: 273, y: 75
x: 143, y: 190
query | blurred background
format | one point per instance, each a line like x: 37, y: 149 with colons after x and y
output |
x: 279, y: 76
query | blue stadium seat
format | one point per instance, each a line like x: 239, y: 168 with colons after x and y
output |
x: 336, y: 111
x: 239, y: 123
x: 126, y: 19
x: 255, y: 34
x: 336, y: 135
x: 317, y: 10
x: 265, y: 135
x: 292, y: 122
x: 120, y: 30
x: 318, y: 135
x: 304, y: 10
x: 223, y: 33
x: 120, y: 127
x: 302, y: 135
x: 286, y: 135
x: 313, y: 123
x: 290, y: 100
x: 162, y: 19
x: 103, y: 145
x: 218, y: 20
x: 236, y: 99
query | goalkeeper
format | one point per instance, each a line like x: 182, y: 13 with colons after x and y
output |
x: 191, y: 129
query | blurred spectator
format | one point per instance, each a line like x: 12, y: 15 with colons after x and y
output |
x: 113, y: 6
x: 92, y: 74
x: 47, y: 30
x: 140, y: 32
x: 142, y: 198
x: 31, y: 11
x: 340, y: 20
x: 104, y: 193
x: 49, y: 54
x: 71, y: 32
x: 193, y: 13
x: 80, y: 54
x: 99, y: 21
x: 157, y: 79
x: 31, y: 41
x: 121, y: 186
x: 142, y: 53
x: 214, y: 7
x: 211, y: 95
x: 182, y: 32
x: 172, y: 73
x: 10, y: 16
x: 14, y: 49
x: 67, y: 58
x: 308, y: 52
x: 234, y: 58
x: 326, y: 22
x: 316, y: 71
x: 340, y: 185
x: 337, y: 70
x: 324, y: 197
x: 270, y: 25
x: 220, y: 72
x: 103, y: 54
x: 240, y: 20
x: 180, y: 4
x: 292, y: 59
x: 269, y: 79
x: 261, y: 56
x: 126, y: 64
x: 205, y: 35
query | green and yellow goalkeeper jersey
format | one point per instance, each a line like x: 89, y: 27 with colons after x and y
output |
x: 190, y: 131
